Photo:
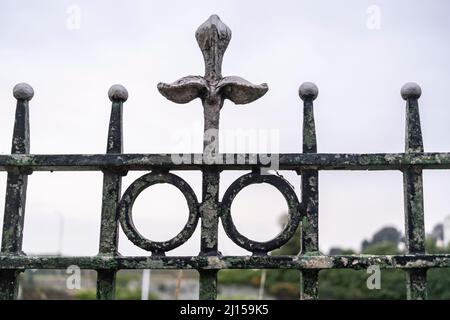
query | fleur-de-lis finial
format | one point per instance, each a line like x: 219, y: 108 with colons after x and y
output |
x: 213, y: 37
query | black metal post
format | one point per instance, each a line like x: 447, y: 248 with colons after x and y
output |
x: 112, y: 181
x: 16, y: 193
x: 413, y: 193
x: 309, y: 284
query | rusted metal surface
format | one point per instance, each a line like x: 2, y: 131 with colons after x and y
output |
x: 16, y: 192
x: 309, y: 288
x: 112, y: 183
x: 201, y: 262
x: 241, y: 162
x: 416, y: 279
x: 212, y: 89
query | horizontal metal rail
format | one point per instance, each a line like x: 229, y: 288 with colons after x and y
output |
x: 302, y: 262
x: 290, y: 161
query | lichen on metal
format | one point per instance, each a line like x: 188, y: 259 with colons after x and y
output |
x: 213, y: 37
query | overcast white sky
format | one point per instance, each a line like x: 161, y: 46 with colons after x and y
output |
x: 359, y: 70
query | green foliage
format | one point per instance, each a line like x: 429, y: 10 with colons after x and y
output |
x: 439, y: 283
x: 431, y: 247
x: 382, y: 248
x: 239, y: 277
x: 285, y: 284
x: 85, y: 294
x: 285, y: 290
x: 235, y: 297
x: 121, y: 294
x: 347, y: 284
x: 127, y: 288
x: 351, y: 284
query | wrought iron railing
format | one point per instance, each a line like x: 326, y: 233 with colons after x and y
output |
x: 213, y: 37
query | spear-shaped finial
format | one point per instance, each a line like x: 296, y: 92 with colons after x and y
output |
x: 213, y: 37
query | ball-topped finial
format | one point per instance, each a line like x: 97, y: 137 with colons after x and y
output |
x: 308, y: 90
x: 23, y: 91
x: 118, y: 92
x: 411, y: 90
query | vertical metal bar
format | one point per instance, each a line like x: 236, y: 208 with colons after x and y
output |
x: 210, y: 199
x: 16, y: 190
x: 212, y: 104
x: 416, y: 279
x: 112, y: 181
x: 309, y: 279
x: 209, y: 231
x: 208, y: 285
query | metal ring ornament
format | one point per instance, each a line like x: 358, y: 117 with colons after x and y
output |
x: 288, y: 231
x: 125, y: 207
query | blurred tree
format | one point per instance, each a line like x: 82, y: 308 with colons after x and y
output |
x: 438, y: 232
x: 390, y: 234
